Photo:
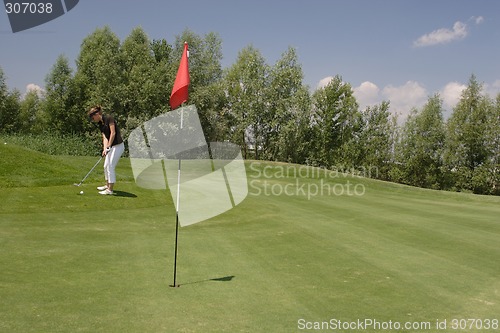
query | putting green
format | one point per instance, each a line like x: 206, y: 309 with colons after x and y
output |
x: 300, y: 252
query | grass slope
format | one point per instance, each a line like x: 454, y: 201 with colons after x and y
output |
x: 20, y: 167
x: 73, y: 263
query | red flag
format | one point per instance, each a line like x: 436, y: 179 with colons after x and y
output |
x: 180, y: 91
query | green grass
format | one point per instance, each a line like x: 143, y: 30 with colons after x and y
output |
x: 85, y: 263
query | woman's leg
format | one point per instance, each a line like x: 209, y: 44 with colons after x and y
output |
x: 107, y: 161
x: 114, y: 155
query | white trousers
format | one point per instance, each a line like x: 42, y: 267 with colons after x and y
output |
x: 112, y: 158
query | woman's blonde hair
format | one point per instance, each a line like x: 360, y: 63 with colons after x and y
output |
x: 93, y: 110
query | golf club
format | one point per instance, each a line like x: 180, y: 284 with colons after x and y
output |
x: 100, y: 158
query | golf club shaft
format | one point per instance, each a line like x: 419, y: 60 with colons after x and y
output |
x: 100, y: 158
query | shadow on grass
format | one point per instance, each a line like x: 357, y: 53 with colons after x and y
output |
x: 124, y: 194
x: 220, y: 279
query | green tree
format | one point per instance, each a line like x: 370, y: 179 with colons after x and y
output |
x: 467, y: 146
x: 376, y: 141
x: 59, y: 111
x: 246, y: 83
x: 421, y: 146
x: 295, y: 134
x: 9, y: 107
x: 486, y: 177
x: 139, y: 86
x: 160, y: 80
x: 494, y: 142
x: 163, y: 74
x: 99, y: 74
x: 338, y: 122
x: 30, y: 116
x: 4, y: 119
x: 3, y: 89
x: 287, y: 112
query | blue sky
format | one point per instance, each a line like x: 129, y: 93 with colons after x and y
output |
x: 397, y: 50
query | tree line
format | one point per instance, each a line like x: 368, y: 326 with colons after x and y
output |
x: 267, y: 110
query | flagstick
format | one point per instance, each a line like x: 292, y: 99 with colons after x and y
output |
x: 181, y: 84
x: 177, y: 214
x: 176, y: 238
x: 177, y: 224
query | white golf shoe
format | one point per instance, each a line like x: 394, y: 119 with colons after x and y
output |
x: 106, y: 192
x: 102, y: 188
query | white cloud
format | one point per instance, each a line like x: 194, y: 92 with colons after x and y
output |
x: 39, y: 90
x: 496, y: 87
x: 404, y: 98
x: 477, y: 19
x: 367, y: 94
x: 324, y: 82
x: 444, y: 35
x: 492, y: 89
x: 451, y: 94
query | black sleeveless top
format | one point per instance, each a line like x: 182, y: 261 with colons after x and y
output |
x: 104, y: 127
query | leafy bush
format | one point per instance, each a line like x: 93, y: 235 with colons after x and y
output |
x: 53, y: 144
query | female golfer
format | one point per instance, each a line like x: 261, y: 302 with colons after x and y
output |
x: 112, y: 146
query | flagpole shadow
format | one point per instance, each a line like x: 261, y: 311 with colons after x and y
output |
x: 220, y: 279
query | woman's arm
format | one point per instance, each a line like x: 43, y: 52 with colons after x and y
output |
x: 104, y: 145
x: 112, y: 134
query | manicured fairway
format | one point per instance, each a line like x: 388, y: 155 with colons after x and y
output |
x: 298, y: 251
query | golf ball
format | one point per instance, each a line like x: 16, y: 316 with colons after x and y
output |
x: 81, y: 192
